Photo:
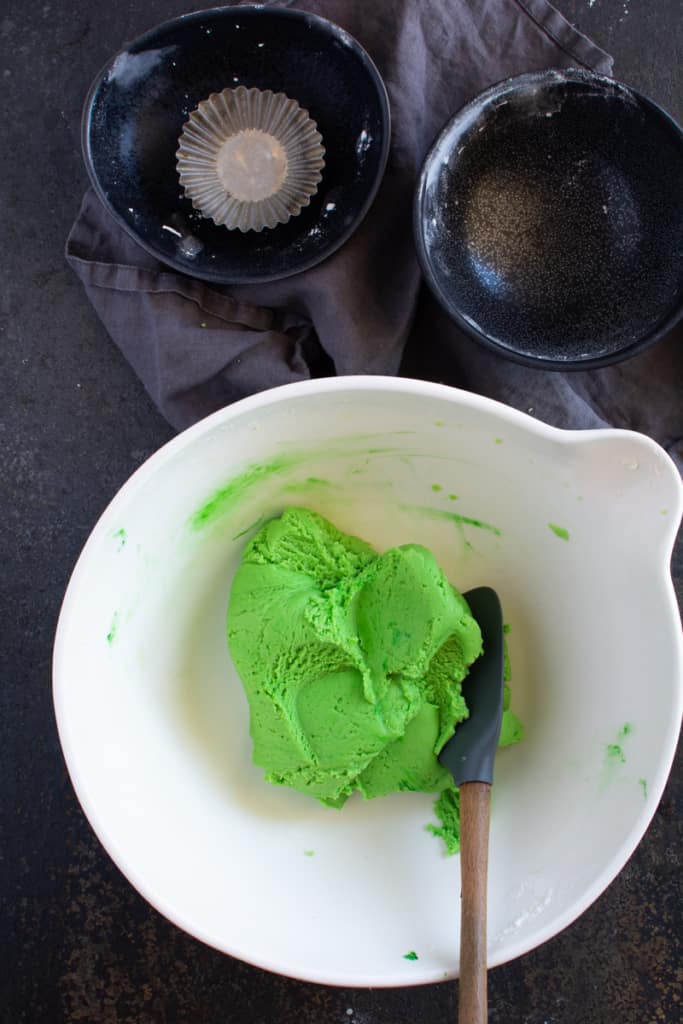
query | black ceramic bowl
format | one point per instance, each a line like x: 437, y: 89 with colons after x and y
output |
x: 137, y: 106
x: 549, y: 220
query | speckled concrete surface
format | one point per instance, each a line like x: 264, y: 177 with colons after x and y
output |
x: 78, y: 943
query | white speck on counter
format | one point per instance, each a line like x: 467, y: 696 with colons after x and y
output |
x: 363, y: 142
x: 331, y: 206
x: 167, y: 227
x: 191, y: 247
x: 260, y: 45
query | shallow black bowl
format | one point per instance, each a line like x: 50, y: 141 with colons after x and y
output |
x: 137, y: 106
x: 549, y: 219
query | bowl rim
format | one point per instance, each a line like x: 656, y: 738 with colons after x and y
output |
x: 296, y: 14
x: 398, y: 386
x: 462, y: 115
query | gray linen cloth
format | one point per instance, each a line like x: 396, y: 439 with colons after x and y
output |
x: 198, y: 347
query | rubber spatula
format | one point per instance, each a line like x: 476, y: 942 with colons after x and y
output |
x: 469, y: 757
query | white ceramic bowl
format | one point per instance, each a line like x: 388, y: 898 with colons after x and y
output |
x: 154, y: 724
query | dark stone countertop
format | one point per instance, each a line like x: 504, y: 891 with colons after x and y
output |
x: 78, y: 943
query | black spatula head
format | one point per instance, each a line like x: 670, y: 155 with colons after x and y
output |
x: 470, y: 753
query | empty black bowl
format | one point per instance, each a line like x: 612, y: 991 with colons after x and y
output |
x: 549, y: 219
x: 138, y: 104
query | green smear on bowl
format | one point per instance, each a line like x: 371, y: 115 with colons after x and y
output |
x: 615, y: 752
x: 309, y: 853
x: 121, y: 536
x: 226, y: 498
x: 411, y: 956
x: 452, y: 517
x: 559, y: 531
x: 247, y: 529
x: 311, y: 483
x: 111, y: 635
x: 615, y: 756
x: 643, y: 785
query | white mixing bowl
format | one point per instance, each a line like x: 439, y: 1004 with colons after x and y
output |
x: 575, y: 531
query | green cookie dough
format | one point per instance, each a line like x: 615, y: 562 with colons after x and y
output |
x: 352, y: 662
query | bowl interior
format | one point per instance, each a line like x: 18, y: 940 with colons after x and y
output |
x: 550, y: 218
x: 154, y: 723
x: 136, y: 109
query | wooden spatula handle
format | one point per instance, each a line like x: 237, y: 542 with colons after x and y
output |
x: 475, y: 802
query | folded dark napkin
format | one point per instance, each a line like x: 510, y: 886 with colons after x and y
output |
x: 198, y: 347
